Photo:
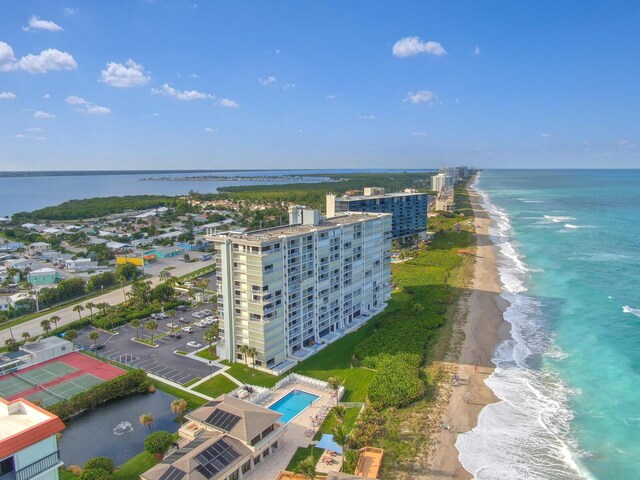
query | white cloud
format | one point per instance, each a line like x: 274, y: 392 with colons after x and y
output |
x: 476, y: 51
x: 7, y: 95
x: 46, y: 96
x: 50, y: 59
x: 410, y: 46
x: 289, y: 86
x: 330, y: 97
x: 418, y: 134
x: 34, y: 129
x: 169, y: 91
x: 88, y: 107
x: 366, y: 117
x: 545, y: 135
x: 155, y: 114
x: 69, y: 11
x: 194, y: 75
x: 228, y: 103
x: 624, y: 144
x: 40, y: 138
x: 36, y: 23
x: 421, y: 96
x: 210, y: 130
x: 124, y: 75
x: 19, y: 135
x: 43, y: 115
x: 270, y: 80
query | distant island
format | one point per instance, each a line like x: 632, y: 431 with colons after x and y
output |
x: 228, y: 178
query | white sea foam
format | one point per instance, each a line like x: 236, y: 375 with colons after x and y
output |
x: 568, y: 225
x: 632, y: 311
x: 558, y: 218
x: 526, y: 435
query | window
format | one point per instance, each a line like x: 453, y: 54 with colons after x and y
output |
x: 235, y: 475
x: 7, y: 466
x: 256, y: 460
x: 246, y: 466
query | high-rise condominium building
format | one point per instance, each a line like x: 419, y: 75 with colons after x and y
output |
x: 289, y: 291
x: 409, y: 208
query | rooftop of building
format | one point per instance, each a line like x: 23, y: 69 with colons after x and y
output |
x: 23, y: 424
x: 292, y: 230
x: 384, y: 195
x: 46, y: 344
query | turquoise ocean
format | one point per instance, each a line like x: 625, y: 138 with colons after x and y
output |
x: 568, y: 246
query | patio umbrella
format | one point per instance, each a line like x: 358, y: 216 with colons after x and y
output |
x: 327, y: 443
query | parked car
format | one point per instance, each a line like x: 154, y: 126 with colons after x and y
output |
x: 187, y: 329
x: 162, y: 315
x: 194, y: 345
x: 201, y: 324
x: 174, y: 335
x: 172, y: 325
x: 97, y: 346
x: 206, y: 311
x: 210, y: 320
x: 197, y: 315
x: 182, y: 308
x: 183, y: 320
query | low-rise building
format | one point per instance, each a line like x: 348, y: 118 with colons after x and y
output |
x: 38, y: 248
x: 28, y: 443
x: 80, y: 264
x: 43, y: 276
x: 225, y: 439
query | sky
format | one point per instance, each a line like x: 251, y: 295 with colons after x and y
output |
x: 171, y: 84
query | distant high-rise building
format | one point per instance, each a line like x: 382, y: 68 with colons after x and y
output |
x: 287, y: 291
x: 409, y: 208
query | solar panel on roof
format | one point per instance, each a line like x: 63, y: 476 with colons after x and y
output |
x: 223, y: 420
x: 172, y: 473
x: 181, y: 452
x: 216, y: 458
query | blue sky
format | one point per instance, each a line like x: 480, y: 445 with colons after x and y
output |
x: 359, y: 84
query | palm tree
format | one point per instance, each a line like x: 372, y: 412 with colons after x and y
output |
x: 94, y: 336
x: 146, y: 420
x: 26, y: 336
x: 79, y: 309
x: 341, y: 437
x: 55, y: 319
x: 178, y: 406
x: 244, y: 350
x: 46, y: 326
x: 339, y: 412
x: 151, y: 325
x: 334, y: 384
x: 307, y: 468
x: 253, y: 353
x: 135, y: 323
x: 71, y: 335
x: 90, y: 306
x: 211, y: 335
x: 165, y: 275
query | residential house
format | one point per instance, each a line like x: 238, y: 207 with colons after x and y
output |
x: 43, y: 276
x: 37, y: 248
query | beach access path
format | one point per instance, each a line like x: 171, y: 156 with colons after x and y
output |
x: 484, y: 328
x: 67, y: 315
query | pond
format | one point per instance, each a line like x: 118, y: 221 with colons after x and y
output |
x: 113, y: 430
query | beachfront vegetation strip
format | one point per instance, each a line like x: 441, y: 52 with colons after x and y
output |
x: 95, y: 207
x: 135, y: 381
x: 216, y: 386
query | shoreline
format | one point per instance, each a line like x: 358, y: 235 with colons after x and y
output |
x: 481, y: 321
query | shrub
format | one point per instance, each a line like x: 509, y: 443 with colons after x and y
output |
x: 104, y: 463
x: 75, y: 470
x: 134, y: 381
x: 396, y: 384
x: 368, y: 429
x: 96, y: 474
x: 158, y: 443
x: 351, y: 458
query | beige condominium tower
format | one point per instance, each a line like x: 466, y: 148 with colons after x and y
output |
x: 289, y: 291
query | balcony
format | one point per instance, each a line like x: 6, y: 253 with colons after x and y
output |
x: 36, y: 468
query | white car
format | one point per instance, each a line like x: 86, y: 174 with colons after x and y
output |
x: 173, y: 325
x: 187, y: 329
x: 201, y: 324
x: 211, y: 320
x: 206, y: 311
x: 194, y: 345
x: 197, y: 315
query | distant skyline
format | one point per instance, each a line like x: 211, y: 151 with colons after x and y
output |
x: 173, y: 84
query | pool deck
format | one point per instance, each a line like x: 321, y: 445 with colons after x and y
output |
x: 295, y: 435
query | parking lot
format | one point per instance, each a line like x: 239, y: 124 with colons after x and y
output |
x: 161, y: 360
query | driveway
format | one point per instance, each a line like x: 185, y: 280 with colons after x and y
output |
x: 161, y: 360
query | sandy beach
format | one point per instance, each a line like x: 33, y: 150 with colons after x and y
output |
x: 483, y: 327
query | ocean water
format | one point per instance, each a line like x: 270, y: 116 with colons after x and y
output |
x: 569, y: 381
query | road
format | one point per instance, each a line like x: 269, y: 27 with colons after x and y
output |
x: 115, y: 297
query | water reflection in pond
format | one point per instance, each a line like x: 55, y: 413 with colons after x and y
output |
x: 113, y: 430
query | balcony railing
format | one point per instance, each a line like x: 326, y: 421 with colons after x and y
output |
x: 38, y: 467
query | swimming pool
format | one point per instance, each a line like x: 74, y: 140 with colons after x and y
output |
x: 293, y: 404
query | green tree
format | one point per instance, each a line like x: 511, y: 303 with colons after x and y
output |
x: 141, y: 292
x: 128, y: 271
x: 46, y: 326
x: 252, y: 352
x: 71, y: 335
x: 334, y: 384
x: 307, y: 468
x: 151, y: 325
x: 339, y: 411
x: 12, y: 345
x: 244, y: 350
x: 178, y: 407
x: 105, y: 463
x: 135, y: 323
x: 165, y: 275
x: 158, y: 443
x: 146, y: 420
x: 210, y: 335
x: 26, y: 336
x: 94, y: 336
x: 90, y: 306
x: 341, y: 436
x: 95, y: 474
x: 55, y: 319
x: 163, y: 293
x: 79, y: 309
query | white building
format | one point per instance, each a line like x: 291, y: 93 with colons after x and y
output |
x: 28, y: 443
x: 290, y: 290
x: 37, y: 248
x: 80, y: 264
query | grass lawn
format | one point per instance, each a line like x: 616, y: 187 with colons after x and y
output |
x: 350, y: 417
x: 216, y: 386
x: 193, y: 401
x: 135, y: 466
x: 301, y: 454
x: 191, y: 382
x: 66, y: 475
x: 207, y: 355
x: 247, y: 375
